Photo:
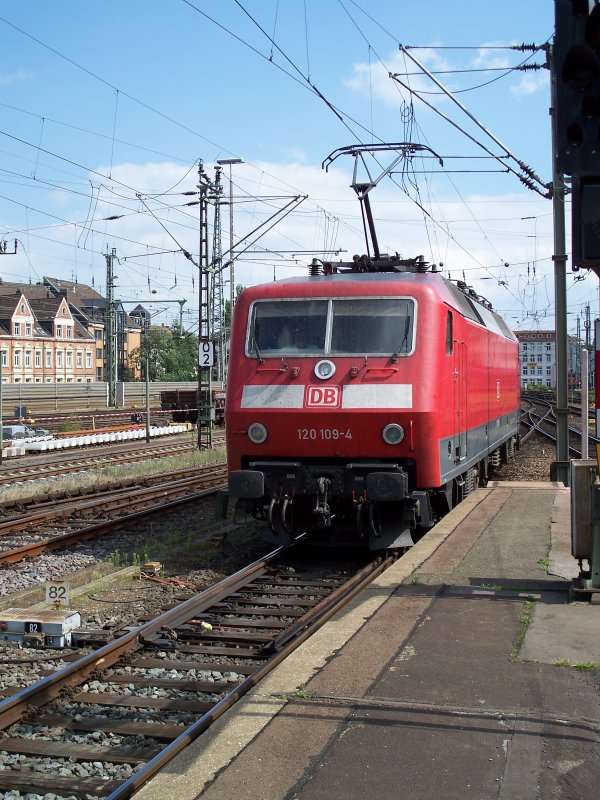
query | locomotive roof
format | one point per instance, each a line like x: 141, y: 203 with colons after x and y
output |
x: 458, y: 296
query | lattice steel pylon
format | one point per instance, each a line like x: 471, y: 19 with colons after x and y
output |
x: 110, y: 329
x: 205, y: 350
x: 218, y: 288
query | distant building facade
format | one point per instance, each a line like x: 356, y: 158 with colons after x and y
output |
x: 54, y: 332
x: 537, y: 357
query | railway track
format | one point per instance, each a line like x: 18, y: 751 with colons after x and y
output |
x: 541, y: 418
x: 59, y: 463
x: 109, y: 721
x: 50, y: 524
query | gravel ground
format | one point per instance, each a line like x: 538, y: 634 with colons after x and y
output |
x: 531, y: 463
x: 193, y: 560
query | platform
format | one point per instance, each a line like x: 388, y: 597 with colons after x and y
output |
x: 462, y: 672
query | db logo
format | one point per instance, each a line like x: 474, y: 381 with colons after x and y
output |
x: 322, y: 396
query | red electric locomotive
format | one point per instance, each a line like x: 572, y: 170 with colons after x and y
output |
x: 365, y: 401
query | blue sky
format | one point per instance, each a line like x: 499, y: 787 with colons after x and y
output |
x: 106, y: 109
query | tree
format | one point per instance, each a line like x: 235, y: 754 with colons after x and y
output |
x: 239, y: 288
x: 171, y: 354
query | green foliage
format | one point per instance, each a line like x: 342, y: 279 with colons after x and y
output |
x: 526, y: 617
x: 170, y: 353
x: 69, y: 425
x: 227, y: 309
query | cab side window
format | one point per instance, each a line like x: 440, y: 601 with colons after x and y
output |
x: 449, y: 336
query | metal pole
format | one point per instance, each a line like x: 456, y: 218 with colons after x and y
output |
x: 560, y: 469
x: 230, y: 162
x: 147, y: 399
x: 231, y: 254
x: 584, y: 405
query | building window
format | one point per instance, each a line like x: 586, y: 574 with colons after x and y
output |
x: 4, y: 358
x: 17, y: 358
x: 28, y: 329
x: 27, y: 358
x: 69, y: 359
x: 59, y: 331
x: 22, y: 308
x: 525, y: 346
x: 548, y: 357
x: 48, y: 358
x: 539, y: 370
x: 59, y: 358
x: 17, y: 328
x: 524, y: 370
x: 38, y: 358
x: 88, y: 360
x: 98, y: 335
x: 69, y: 331
x: 48, y: 380
x: 549, y: 371
x: 98, y: 353
x: 79, y: 360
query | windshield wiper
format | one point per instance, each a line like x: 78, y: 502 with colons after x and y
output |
x: 256, y: 350
x: 404, y: 339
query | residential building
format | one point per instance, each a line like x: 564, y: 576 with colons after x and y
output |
x: 54, y: 332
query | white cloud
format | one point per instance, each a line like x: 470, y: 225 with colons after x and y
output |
x: 15, y: 77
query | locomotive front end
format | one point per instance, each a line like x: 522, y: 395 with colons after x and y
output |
x: 318, y: 400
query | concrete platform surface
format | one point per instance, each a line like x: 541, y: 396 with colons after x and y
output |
x: 461, y: 672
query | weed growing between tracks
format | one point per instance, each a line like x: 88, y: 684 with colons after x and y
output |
x: 104, y: 476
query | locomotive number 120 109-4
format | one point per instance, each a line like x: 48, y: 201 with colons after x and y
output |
x: 323, y: 434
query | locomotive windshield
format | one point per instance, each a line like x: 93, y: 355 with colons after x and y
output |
x: 344, y: 326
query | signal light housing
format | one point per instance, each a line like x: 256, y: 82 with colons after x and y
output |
x: 577, y: 81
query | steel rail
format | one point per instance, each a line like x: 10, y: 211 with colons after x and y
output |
x: 322, y: 613
x: 91, y: 531
x: 37, y: 694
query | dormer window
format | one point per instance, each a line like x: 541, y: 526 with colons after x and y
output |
x: 17, y: 328
x: 59, y: 331
x: 22, y: 309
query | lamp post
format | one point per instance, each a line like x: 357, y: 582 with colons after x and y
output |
x: 230, y: 162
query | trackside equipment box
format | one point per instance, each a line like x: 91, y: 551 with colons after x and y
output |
x: 38, y: 628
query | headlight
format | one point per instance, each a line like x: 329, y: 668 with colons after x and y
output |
x: 324, y: 369
x: 257, y: 433
x: 392, y: 433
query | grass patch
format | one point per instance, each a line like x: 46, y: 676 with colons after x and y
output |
x: 414, y: 577
x: 584, y: 666
x: 544, y: 564
x: 526, y: 617
x: 107, y: 475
